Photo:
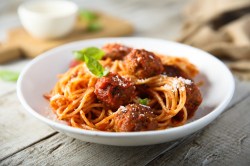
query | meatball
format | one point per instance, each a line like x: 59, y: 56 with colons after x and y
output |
x: 116, y: 51
x: 143, y: 64
x: 194, y: 97
x: 174, y: 71
x: 135, y: 117
x: 114, y: 90
x: 193, y: 100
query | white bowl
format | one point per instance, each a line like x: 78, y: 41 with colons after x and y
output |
x: 40, y: 75
x: 48, y: 19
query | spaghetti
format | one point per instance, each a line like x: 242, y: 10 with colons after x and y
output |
x: 74, y: 98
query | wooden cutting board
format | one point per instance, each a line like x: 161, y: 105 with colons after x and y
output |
x: 20, y: 43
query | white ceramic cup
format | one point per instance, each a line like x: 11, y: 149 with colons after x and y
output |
x: 48, y: 19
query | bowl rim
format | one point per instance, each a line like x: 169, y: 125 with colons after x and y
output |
x: 24, y: 9
x: 193, y: 126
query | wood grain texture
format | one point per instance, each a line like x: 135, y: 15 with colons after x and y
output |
x: 25, y: 141
x: 17, y: 128
x: 76, y: 152
x: 242, y: 90
x: 224, y: 142
x: 62, y: 150
x: 32, y: 47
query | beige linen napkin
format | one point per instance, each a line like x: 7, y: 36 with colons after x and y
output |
x: 221, y: 27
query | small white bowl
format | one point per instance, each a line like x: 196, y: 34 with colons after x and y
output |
x: 48, y: 19
x: 40, y: 76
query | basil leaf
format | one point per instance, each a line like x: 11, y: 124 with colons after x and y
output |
x: 94, y: 26
x: 78, y: 55
x: 90, y: 56
x: 143, y: 101
x: 94, y: 52
x: 94, y: 66
x: 9, y: 75
x: 87, y: 15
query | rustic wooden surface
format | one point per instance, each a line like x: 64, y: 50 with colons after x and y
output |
x: 21, y: 40
x: 26, y: 141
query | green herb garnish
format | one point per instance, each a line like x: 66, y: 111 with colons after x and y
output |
x: 93, y: 27
x: 94, y: 66
x: 94, y: 52
x: 90, y: 56
x: 91, y: 19
x: 9, y: 75
x: 143, y: 101
x: 87, y: 15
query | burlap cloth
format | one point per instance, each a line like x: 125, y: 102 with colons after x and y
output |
x: 221, y: 27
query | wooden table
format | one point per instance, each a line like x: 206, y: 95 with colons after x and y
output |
x: 26, y: 141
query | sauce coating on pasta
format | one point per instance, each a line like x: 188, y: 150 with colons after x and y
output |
x: 142, y: 91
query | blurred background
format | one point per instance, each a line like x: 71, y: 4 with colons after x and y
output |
x: 144, y: 15
x: 221, y: 27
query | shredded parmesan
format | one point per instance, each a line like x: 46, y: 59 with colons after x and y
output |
x: 151, y: 57
x: 123, y: 109
x: 166, y: 86
x: 143, y: 115
x: 139, y: 59
x: 177, y: 83
x: 185, y: 81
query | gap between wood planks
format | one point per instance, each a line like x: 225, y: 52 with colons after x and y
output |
x: 18, y: 129
x: 145, y: 153
x: 25, y: 147
x: 197, y: 149
x: 166, y: 148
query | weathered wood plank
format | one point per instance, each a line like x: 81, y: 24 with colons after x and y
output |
x: 224, y: 142
x: 73, y: 151
x: 242, y: 90
x: 26, y: 146
x: 76, y: 152
x: 17, y: 128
